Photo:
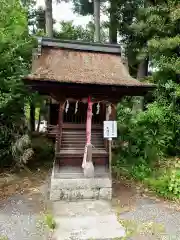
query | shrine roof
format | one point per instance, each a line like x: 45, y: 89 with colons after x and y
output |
x: 79, y: 62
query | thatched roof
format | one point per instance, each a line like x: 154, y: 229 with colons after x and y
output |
x: 82, y: 65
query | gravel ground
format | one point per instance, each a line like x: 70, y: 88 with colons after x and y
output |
x: 21, y: 214
x: 145, y: 216
x: 164, y: 223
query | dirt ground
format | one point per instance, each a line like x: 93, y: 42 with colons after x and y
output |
x: 24, y: 201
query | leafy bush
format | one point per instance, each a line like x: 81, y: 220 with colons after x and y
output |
x: 21, y: 150
x: 140, y: 171
x: 174, y: 183
x: 167, y: 181
x: 15, y: 55
x: 43, y: 149
x: 145, y: 139
x: 150, y: 136
x: 146, y: 135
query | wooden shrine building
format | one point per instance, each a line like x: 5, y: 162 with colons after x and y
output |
x: 75, y: 74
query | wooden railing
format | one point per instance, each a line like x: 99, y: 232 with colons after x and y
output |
x: 56, y: 132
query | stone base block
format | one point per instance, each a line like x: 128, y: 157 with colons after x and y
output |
x: 83, y: 188
x: 69, y: 194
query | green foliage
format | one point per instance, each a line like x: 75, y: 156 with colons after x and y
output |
x: 72, y: 32
x: 21, y: 150
x: 49, y: 221
x: 150, y: 136
x: 15, y: 54
x: 145, y: 138
x: 147, y: 134
x: 69, y: 31
x: 174, y: 183
x: 43, y: 149
x: 3, y: 238
x: 83, y: 7
x: 166, y: 180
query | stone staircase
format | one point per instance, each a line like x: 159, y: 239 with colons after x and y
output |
x: 68, y: 181
x: 80, y: 205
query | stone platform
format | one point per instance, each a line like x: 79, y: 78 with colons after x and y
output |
x: 69, y: 183
x: 85, y: 220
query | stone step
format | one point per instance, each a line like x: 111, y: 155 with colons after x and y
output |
x: 81, y: 208
x: 81, y: 194
x: 69, y: 183
x: 85, y: 220
x: 80, y: 188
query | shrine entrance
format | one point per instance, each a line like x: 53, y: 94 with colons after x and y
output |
x: 76, y: 113
x: 86, y: 81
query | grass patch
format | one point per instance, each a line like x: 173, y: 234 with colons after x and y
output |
x: 162, y: 179
x: 49, y: 221
x: 3, y: 238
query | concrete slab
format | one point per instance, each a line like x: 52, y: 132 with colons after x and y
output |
x: 70, y: 184
x: 84, y: 220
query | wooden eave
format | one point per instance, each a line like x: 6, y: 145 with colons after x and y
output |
x: 78, y: 91
x: 72, y: 67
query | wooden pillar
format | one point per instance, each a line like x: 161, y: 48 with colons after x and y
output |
x: 107, y: 119
x: 89, y: 122
x: 60, y: 124
x: 87, y: 164
x: 110, y: 116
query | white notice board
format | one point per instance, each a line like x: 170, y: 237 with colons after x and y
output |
x: 110, y: 129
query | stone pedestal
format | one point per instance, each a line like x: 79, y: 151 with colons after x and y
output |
x: 66, y: 185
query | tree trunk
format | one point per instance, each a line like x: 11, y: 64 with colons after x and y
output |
x: 142, y: 69
x: 49, y: 18
x: 32, y: 117
x: 97, y: 20
x: 142, y: 72
x: 113, y: 22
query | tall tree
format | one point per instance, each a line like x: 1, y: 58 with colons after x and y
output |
x: 49, y: 18
x: 15, y: 54
x: 160, y: 22
x: 90, y: 7
x: 97, y: 20
x: 113, y: 25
